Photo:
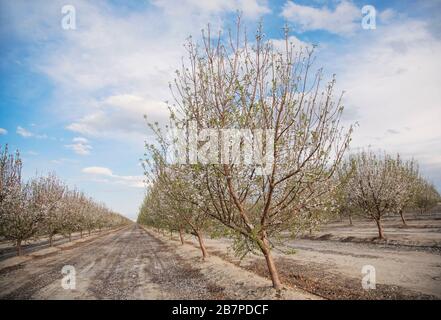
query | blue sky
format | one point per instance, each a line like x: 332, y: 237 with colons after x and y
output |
x: 72, y: 101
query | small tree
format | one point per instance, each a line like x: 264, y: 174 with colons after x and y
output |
x: 88, y: 216
x: 174, y: 196
x: 18, y: 219
x: 426, y: 195
x: 406, y: 186
x: 375, y: 184
x: 10, y: 187
x: 186, y: 209
x: 49, y: 192
x: 72, y: 207
x: 10, y: 176
x: 345, y: 205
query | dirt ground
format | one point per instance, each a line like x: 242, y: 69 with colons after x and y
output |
x: 422, y: 231
x: 329, y: 262
x: 133, y: 264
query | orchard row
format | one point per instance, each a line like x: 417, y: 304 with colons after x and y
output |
x: 45, y: 206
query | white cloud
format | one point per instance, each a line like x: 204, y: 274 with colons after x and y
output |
x: 80, y: 140
x: 28, y: 134
x: 120, y: 116
x: 80, y: 146
x: 98, y: 171
x: 105, y: 175
x: 250, y: 8
x: 343, y: 20
x: 387, y: 15
x: 23, y: 132
x: 391, y: 79
x: 3, y: 131
x: 116, y: 54
x: 63, y: 161
x: 279, y: 44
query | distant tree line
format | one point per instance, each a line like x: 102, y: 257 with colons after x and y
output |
x: 45, y: 206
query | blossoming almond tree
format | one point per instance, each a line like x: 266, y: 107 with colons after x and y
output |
x: 231, y: 83
x: 48, y: 197
x: 20, y: 214
x: 343, y: 195
x: 377, y: 185
x: 407, y: 176
x: 173, y: 198
x: 426, y: 196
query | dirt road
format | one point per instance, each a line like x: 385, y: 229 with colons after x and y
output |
x: 132, y: 264
x: 129, y: 264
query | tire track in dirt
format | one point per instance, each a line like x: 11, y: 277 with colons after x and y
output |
x: 173, y: 274
x: 40, y: 273
x: 128, y: 264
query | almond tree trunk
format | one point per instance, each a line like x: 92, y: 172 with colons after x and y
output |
x: 181, y: 236
x: 19, y: 248
x: 402, y: 218
x: 51, y: 240
x: 202, y: 245
x: 70, y: 237
x: 81, y: 234
x: 380, y: 229
x: 350, y: 220
x: 266, y: 250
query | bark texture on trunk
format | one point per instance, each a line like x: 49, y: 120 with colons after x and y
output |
x: 19, y: 248
x: 202, y: 245
x: 380, y: 229
x: 402, y: 218
x: 181, y: 236
x: 266, y: 250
